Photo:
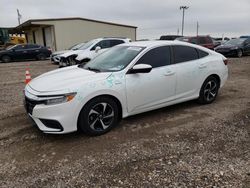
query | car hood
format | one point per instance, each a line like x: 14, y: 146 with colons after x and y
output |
x: 61, y: 52
x: 72, y: 52
x: 65, y: 79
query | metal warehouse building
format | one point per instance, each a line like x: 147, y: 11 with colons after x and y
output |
x: 61, y: 33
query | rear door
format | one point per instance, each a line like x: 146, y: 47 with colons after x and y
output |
x: 187, y: 67
x: 149, y: 90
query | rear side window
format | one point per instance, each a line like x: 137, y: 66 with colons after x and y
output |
x: 202, y: 53
x: 116, y: 42
x: 157, y: 57
x: 185, y: 53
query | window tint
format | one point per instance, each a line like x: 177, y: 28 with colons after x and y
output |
x: 202, y: 40
x: 184, y: 53
x: 156, y: 57
x: 116, y: 42
x: 31, y: 46
x: 202, y: 53
x: 103, y: 44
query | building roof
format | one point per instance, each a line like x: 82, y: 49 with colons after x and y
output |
x: 29, y: 22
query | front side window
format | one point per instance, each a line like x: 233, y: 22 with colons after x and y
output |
x: 115, y: 59
x: 184, y: 54
x: 157, y: 57
x: 103, y: 44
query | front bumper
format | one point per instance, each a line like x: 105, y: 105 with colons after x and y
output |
x: 55, y: 59
x: 55, y: 119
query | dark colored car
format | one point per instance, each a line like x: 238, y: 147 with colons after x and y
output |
x: 205, y: 41
x: 235, y: 47
x: 169, y: 37
x: 245, y: 36
x: 24, y: 52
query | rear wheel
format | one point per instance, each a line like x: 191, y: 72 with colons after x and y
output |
x: 209, y: 90
x: 41, y: 56
x: 6, y: 58
x: 98, y: 116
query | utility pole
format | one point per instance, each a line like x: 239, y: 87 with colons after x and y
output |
x: 19, y: 16
x: 183, y: 16
x: 197, y: 29
x: 178, y: 31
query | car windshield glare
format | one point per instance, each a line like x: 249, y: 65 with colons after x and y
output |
x: 115, y: 59
x: 87, y: 45
x: 235, y: 41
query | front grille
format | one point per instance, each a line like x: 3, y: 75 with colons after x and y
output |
x: 30, y: 104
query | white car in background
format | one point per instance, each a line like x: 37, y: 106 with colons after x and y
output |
x: 90, y: 50
x: 55, y: 56
x: 126, y: 80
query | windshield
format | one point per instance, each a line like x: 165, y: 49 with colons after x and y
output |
x: 87, y: 45
x: 235, y: 41
x: 115, y: 59
x: 11, y: 47
x: 76, y: 46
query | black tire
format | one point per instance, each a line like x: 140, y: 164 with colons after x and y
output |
x: 209, y: 90
x: 239, y: 53
x: 98, y: 116
x: 6, y: 58
x: 41, y: 57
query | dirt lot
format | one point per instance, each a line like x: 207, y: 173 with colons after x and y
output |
x: 186, y: 145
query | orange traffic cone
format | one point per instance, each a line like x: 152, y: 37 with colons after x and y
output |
x: 27, y: 76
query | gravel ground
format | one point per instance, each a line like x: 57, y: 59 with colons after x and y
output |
x: 185, y: 145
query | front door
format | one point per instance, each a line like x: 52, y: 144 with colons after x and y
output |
x: 147, y: 90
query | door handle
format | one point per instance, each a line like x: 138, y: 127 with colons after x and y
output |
x: 24, y: 51
x: 202, y: 66
x: 169, y: 73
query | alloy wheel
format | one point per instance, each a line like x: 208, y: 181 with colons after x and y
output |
x: 101, y: 116
x: 210, y: 90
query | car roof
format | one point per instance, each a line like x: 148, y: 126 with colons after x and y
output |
x: 150, y: 44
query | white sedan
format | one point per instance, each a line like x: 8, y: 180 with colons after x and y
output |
x: 126, y: 80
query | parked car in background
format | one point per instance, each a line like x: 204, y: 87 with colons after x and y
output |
x: 24, y: 52
x: 128, y: 79
x: 55, y: 56
x: 169, y: 37
x: 235, y: 47
x: 245, y: 36
x: 90, y: 50
x: 205, y: 41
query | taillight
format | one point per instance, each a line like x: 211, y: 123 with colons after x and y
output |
x: 225, y: 61
x: 49, y: 49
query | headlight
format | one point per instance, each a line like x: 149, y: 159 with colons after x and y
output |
x: 60, y: 99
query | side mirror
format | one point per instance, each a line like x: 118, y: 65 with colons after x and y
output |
x: 97, y: 49
x: 140, y: 68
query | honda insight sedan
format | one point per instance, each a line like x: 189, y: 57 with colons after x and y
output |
x: 128, y: 79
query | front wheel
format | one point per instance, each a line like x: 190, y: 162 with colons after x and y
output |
x: 209, y: 90
x: 239, y: 53
x: 6, y: 58
x: 98, y: 116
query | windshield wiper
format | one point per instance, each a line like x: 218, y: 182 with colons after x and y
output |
x: 93, y: 69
